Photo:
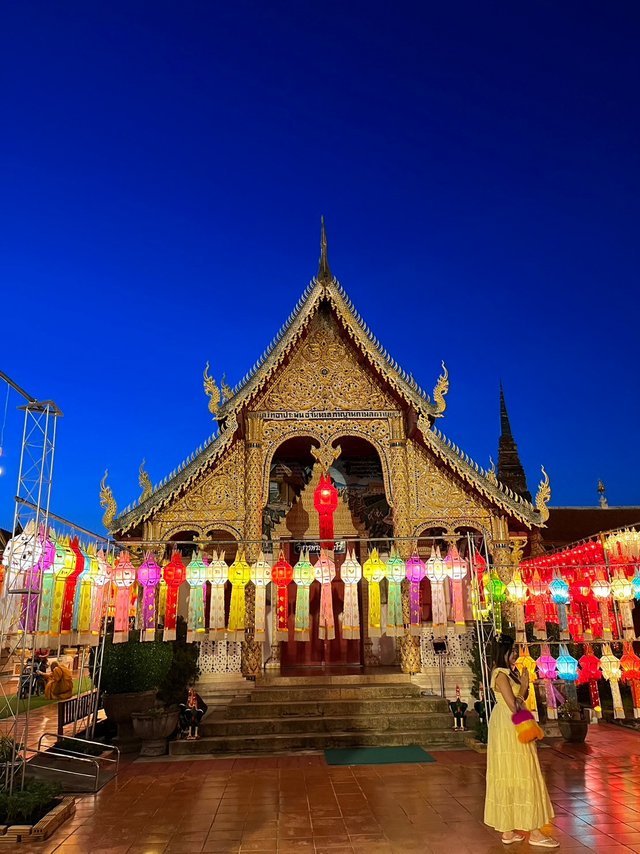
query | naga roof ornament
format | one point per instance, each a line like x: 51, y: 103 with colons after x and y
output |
x: 145, y: 482
x: 108, y: 502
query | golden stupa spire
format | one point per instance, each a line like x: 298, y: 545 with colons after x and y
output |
x: 324, y: 271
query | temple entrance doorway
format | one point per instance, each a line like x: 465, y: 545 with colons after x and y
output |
x: 362, y: 520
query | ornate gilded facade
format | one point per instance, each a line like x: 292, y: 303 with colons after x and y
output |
x: 324, y: 378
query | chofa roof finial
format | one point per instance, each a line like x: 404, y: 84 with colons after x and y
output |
x: 324, y: 271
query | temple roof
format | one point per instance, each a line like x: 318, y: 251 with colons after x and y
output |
x: 327, y: 289
x: 324, y: 287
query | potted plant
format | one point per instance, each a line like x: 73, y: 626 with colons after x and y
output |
x: 154, y: 725
x: 131, y: 675
x: 571, y: 722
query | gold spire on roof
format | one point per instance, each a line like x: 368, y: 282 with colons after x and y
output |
x: 324, y: 271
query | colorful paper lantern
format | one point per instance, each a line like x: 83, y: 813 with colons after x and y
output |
x: 436, y: 572
x: 303, y: 576
x: 124, y: 575
x: 539, y: 595
x: 282, y: 576
x: 622, y: 592
x: 589, y: 674
x: 396, y: 573
x: 84, y: 592
x: 196, y: 575
x: 325, y: 500
x: 560, y: 596
x: 149, y: 575
x: 33, y: 583
x: 66, y: 618
x: 325, y: 572
x: 239, y: 576
x: 174, y: 575
x: 635, y: 584
x: 217, y: 575
x: 351, y: 573
x: 63, y: 567
x: 261, y: 578
x: 526, y: 662
x: 601, y: 591
x: 456, y: 568
x: 630, y: 664
x: 546, y: 665
x: 612, y: 672
x: 374, y: 571
x: 518, y: 593
x: 567, y: 665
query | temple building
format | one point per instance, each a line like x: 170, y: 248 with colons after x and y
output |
x: 326, y: 398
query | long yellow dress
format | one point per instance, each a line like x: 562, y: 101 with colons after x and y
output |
x: 517, y: 797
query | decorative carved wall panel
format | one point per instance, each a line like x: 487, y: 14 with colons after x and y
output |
x: 325, y: 374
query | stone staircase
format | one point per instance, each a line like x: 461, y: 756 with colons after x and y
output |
x: 317, y: 712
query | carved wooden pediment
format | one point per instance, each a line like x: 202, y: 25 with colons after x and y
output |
x: 324, y: 374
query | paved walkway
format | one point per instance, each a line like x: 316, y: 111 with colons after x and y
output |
x: 299, y: 804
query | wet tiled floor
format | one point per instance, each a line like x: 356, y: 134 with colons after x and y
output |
x: 299, y: 804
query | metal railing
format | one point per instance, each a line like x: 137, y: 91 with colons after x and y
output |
x: 68, y: 754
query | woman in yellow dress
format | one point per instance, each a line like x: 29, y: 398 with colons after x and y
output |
x: 517, y: 797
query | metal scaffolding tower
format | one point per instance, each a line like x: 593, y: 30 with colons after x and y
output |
x: 20, y: 602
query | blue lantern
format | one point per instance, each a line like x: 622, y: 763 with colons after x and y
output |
x: 559, y: 590
x: 635, y: 584
x: 567, y: 665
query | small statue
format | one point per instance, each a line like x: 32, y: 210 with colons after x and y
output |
x: 459, y: 711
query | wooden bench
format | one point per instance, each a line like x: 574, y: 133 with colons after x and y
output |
x: 75, y: 709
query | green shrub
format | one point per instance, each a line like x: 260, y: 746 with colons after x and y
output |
x: 29, y: 805
x: 183, y: 670
x: 134, y: 666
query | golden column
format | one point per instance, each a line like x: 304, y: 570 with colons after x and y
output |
x: 409, y: 647
x: 251, y: 649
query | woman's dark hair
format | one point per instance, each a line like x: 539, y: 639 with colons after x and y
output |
x: 501, y: 650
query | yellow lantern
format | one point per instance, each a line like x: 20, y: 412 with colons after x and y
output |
x: 518, y: 593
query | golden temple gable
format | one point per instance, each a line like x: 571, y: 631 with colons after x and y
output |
x: 324, y: 378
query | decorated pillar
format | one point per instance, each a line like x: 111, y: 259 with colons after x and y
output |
x: 409, y: 646
x: 254, y: 458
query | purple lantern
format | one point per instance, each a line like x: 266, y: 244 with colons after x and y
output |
x: 149, y: 575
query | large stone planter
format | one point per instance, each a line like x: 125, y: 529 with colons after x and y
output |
x: 573, y: 731
x: 153, y: 729
x: 118, y: 709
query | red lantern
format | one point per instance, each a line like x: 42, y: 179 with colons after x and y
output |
x: 174, y: 574
x: 589, y: 673
x: 282, y: 576
x: 325, y: 500
x: 70, y: 587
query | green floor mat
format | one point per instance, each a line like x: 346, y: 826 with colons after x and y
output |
x: 377, y: 755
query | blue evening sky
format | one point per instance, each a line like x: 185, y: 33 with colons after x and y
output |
x: 164, y: 166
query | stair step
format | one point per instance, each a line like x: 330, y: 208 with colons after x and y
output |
x: 362, y: 723
x: 308, y: 708
x: 377, y: 678
x: 286, y: 694
x: 315, y: 741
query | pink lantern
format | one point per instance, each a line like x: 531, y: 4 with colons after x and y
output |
x: 456, y: 568
x: 124, y: 575
x: 436, y: 572
x: 149, y: 575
